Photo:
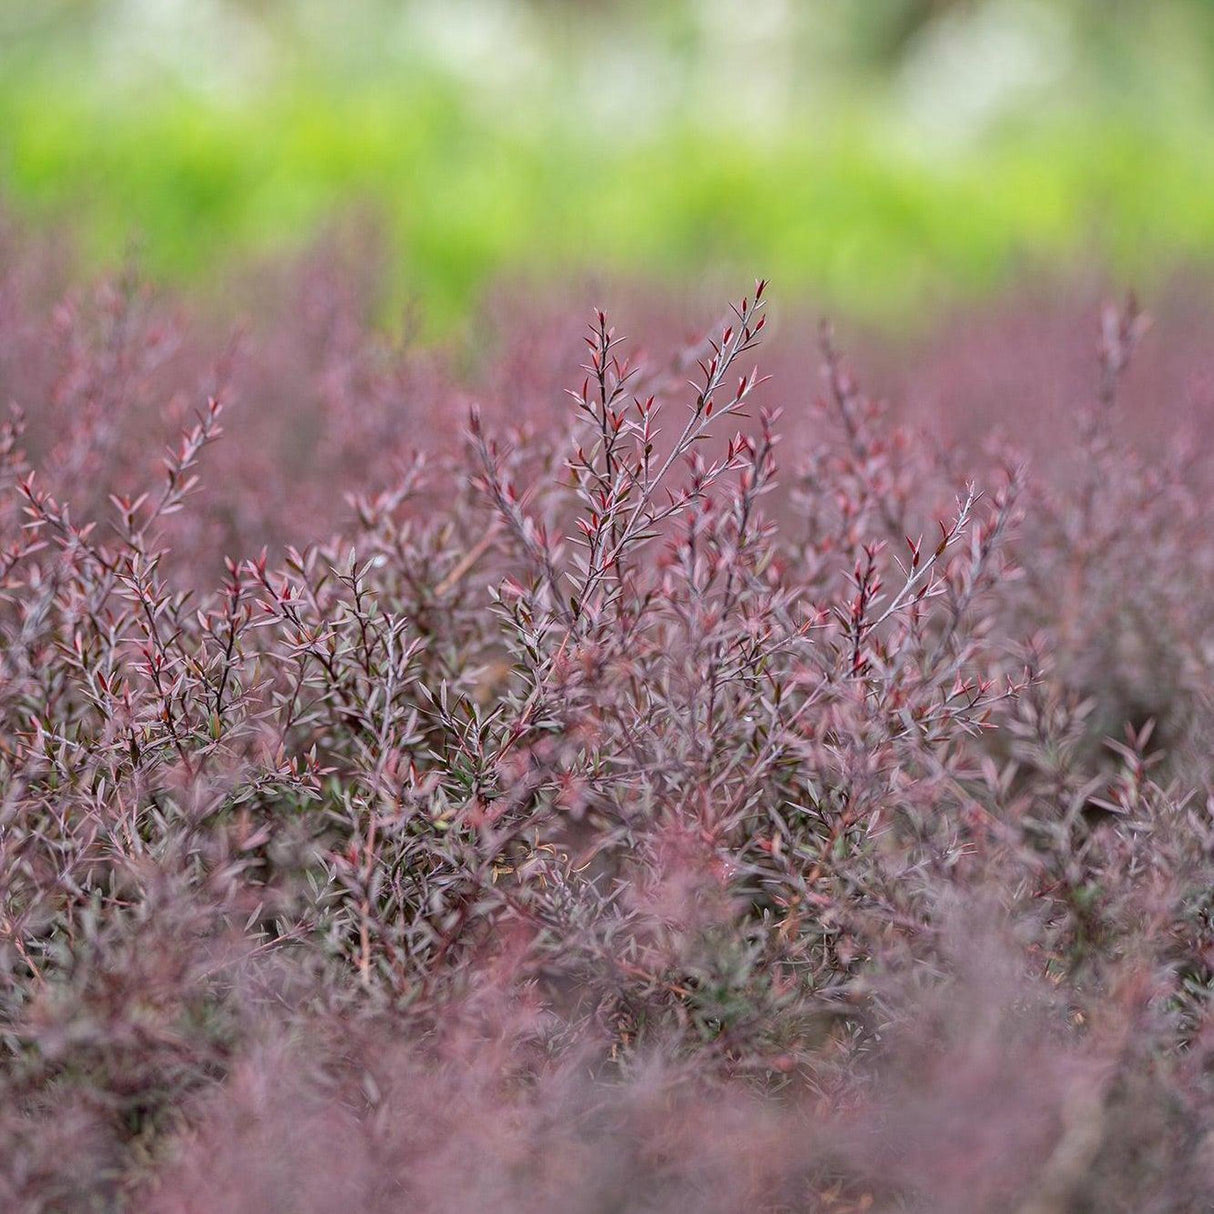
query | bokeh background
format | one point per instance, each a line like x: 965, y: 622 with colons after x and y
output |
x: 886, y: 158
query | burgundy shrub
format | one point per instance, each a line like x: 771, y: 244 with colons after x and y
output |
x: 437, y: 793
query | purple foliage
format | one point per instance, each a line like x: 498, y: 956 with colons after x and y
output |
x: 605, y: 805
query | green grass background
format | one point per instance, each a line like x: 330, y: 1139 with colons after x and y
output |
x: 830, y: 186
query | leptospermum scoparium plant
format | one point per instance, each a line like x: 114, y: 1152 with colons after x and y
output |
x: 604, y: 816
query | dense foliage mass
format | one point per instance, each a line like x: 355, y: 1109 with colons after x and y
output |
x: 616, y: 812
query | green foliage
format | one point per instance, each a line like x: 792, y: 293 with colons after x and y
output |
x: 662, y: 146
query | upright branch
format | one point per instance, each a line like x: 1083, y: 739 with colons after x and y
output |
x: 636, y: 509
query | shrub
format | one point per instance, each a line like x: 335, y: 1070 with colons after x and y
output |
x: 597, y: 819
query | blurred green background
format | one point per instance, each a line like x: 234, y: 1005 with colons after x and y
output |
x: 887, y: 156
